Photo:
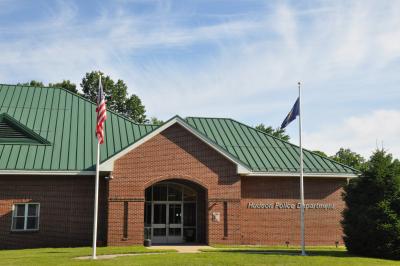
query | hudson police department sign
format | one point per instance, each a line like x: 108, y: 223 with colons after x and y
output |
x: 287, y: 205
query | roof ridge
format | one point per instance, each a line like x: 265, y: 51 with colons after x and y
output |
x: 23, y: 85
x: 205, y: 117
x: 81, y: 97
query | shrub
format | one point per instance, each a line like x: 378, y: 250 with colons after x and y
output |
x: 371, y: 220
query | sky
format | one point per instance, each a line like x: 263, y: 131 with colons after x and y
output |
x: 222, y: 58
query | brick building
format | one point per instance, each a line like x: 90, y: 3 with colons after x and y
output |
x: 192, y: 180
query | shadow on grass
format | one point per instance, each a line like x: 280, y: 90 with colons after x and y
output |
x: 328, y: 253
x: 56, y: 252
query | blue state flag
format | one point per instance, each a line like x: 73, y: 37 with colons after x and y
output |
x: 292, y: 114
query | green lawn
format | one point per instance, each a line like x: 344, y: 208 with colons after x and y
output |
x: 224, y: 255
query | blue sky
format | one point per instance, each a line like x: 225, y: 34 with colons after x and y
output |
x: 220, y: 58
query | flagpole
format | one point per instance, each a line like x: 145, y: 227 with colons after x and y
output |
x: 303, y: 251
x: 96, y: 196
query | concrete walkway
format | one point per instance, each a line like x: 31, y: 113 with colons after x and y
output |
x: 111, y: 256
x: 179, y: 249
x: 182, y: 248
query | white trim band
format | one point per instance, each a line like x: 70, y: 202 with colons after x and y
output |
x: 23, y: 172
x: 283, y: 174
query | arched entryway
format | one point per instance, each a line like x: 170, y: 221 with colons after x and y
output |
x: 174, y: 212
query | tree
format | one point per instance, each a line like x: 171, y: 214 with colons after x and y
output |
x: 116, y: 95
x: 321, y: 153
x: 32, y: 83
x: 135, y: 109
x: 279, y: 133
x: 371, y: 220
x: 155, y: 121
x: 347, y: 157
x: 65, y: 84
x: 90, y: 85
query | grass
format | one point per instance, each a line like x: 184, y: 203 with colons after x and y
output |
x: 223, y: 255
x: 65, y: 256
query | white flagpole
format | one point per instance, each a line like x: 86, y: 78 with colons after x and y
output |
x: 96, y: 196
x: 303, y: 251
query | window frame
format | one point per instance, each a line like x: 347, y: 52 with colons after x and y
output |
x: 26, y: 216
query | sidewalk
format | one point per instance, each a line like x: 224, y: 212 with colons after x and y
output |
x: 179, y: 249
x: 182, y: 248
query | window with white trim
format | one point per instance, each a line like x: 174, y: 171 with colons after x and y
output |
x: 25, y: 217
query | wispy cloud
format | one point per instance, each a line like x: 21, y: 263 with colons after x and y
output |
x: 238, y: 63
x: 364, y: 134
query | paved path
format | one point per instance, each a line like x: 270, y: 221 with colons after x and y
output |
x: 179, y: 249
x: 111, y: 256
x: 183, y: 248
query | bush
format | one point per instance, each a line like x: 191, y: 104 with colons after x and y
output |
x: 371, y: 220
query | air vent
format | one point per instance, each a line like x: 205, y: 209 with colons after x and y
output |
x: 7, y: 131
x: 13, y: 132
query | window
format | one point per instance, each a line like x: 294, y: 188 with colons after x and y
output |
x: 160, y: 192
x: 25, y: 217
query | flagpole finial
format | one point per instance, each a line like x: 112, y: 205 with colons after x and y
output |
x: 298, y: 83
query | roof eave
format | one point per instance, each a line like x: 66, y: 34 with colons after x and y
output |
x: 291, y: 174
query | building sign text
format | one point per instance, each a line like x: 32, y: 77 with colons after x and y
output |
x: 287, y: 205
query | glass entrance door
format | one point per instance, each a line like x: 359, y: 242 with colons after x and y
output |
x: 174, y: 223
x: 159, y: 223
x: 167, y: 223
x: 170, y: 213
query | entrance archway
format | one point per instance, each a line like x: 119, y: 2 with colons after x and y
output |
x: 174, y: 212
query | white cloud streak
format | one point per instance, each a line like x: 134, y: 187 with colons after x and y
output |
x: 243, y: 66
x: 363, y: 134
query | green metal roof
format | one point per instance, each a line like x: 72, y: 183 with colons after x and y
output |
x: 65, y: 122
x: 262, y: 152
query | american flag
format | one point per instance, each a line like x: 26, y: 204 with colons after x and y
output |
x: 101, y: 113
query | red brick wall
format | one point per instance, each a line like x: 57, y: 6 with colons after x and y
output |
x: 177, y: 154
x: 66, y: 210
x: 276, y: 226
x: 173, y: 154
